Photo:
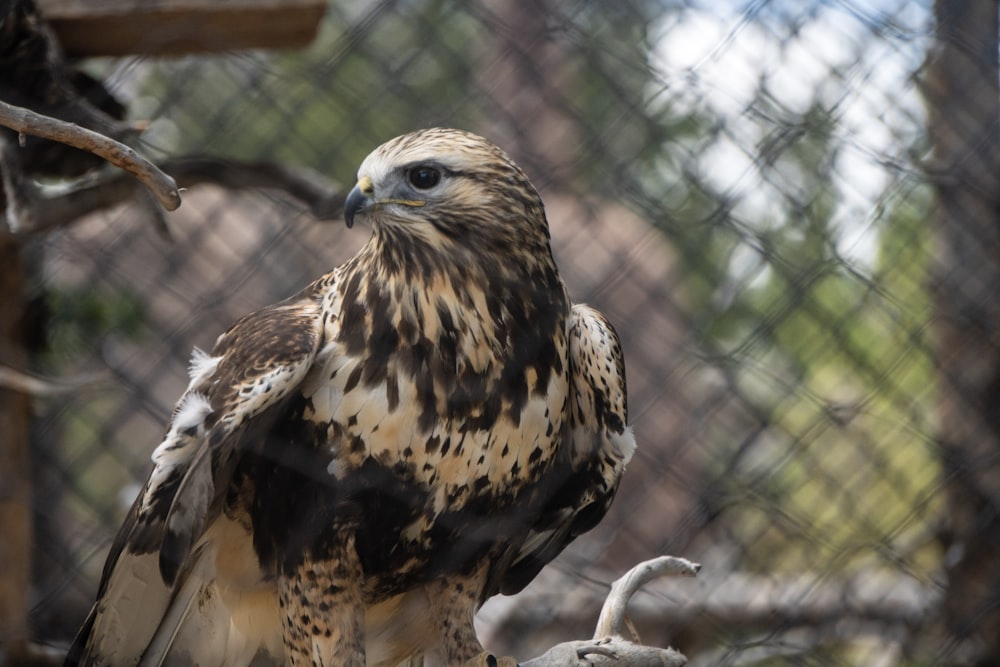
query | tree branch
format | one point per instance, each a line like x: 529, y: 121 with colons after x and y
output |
x: 873, y: 602
x: 612, y: 618
x: 25, y: 121
x: 609, y: 647
x: 41, y: 387
x: 323, y: 198
x: 616, y: 652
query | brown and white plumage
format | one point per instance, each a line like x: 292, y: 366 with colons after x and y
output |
x: 353, y: 471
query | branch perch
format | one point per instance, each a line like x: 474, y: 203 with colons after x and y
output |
x: 323, y: 197
x: 612, y: 619
x: 609, y: 646
x: 25, y: 121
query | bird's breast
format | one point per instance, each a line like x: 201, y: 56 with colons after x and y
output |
x: 457, y: 435
x: 429, y: 430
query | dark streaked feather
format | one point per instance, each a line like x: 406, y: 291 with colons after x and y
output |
x: 582, y: 485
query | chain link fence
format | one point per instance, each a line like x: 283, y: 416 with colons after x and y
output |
x: 740, y: 186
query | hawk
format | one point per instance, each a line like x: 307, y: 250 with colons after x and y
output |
x: 354, y: 470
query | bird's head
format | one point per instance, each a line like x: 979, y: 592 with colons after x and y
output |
x: 449, y: 189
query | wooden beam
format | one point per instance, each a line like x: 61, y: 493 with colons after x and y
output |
x: 176, y: 27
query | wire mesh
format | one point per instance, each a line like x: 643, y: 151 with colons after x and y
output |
x: 737, y: 185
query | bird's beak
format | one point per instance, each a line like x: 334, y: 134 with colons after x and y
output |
x: 358, y: 199
x: 362, y: 197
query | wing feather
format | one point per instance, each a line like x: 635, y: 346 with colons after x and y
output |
x: 190, y: 589
x: 234, y: 397
x: 262, y: 360
x: 599, y: 446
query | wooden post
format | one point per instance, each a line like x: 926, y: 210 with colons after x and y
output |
x: 963, y: 99
x: 15, y: 472
x: 175, y: 27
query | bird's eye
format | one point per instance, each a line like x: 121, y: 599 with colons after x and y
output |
x: 423, y: 177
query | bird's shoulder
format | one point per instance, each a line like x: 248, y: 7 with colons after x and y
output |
x: 285, y: 333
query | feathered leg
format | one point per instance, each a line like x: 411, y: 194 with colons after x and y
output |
x: 322, y: 609
x: 453, y: 604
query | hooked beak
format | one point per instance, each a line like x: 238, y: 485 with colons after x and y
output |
x: 358, y: 199
x: 362, y: 198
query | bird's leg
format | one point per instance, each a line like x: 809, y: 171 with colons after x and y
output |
x: 322, y: 609
x: 453, y: 604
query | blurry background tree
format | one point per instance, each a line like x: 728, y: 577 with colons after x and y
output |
x: 797, y: 248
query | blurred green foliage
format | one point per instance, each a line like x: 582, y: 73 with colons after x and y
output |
x: 79, y: 316
x: 831, y: 357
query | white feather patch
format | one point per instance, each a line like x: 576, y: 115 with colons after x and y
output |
x: 626, y: 443
x: 201, y: 367
x: 191, y: 411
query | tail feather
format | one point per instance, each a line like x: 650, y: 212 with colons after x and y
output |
x: 191, y: 591
x: 127, y: 613
x: 214, y: 615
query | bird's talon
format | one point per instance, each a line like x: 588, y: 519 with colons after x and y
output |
x: 597, y: 648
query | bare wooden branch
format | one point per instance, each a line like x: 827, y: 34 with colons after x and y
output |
x: 616, y: 652
x: 875, y: 602
x: 26, y: 121
x: 609, y: 647
x: 612, y: 617
x: 41, y: 387
x: 323, y: 197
